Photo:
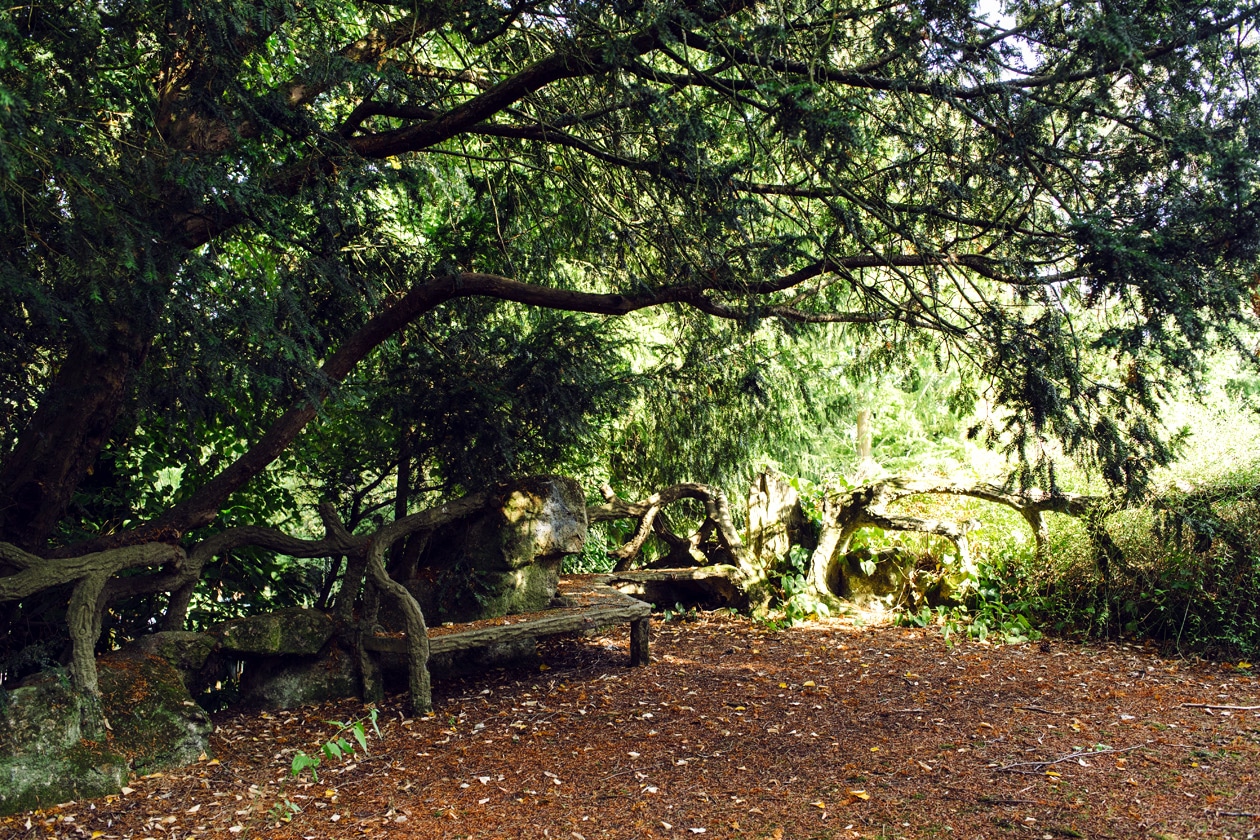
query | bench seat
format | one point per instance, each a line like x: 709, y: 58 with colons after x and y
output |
x: 589, y: 603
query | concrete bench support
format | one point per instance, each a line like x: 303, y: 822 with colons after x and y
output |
x: 639, y: 642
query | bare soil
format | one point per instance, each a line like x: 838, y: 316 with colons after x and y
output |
x: 824, y: 730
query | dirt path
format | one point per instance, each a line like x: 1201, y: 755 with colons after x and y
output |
x: 825, y: 730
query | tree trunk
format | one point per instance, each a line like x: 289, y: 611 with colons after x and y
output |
x: 867, y: 469
x: 413, y: 619
x: 60, y: 445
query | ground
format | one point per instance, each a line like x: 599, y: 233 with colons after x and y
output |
x: 823, y: 730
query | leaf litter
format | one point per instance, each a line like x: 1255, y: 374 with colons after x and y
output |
x: 825, y: 729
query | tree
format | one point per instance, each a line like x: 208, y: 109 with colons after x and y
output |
x: 213, y: 214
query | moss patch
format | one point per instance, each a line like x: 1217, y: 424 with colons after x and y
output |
x: 293, y: 631
x: 43, y: 759
x: 156, y: 725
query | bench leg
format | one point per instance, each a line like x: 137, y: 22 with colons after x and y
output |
x: 639, y: 642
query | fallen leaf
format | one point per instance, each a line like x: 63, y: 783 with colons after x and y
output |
x: 860, y: 794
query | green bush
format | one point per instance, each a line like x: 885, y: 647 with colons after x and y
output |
x: 1188, y: 574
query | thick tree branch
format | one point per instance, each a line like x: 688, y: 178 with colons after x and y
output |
x: 49, y: 573
x: 89, y: 573
x: 553, y: 68
x: 203, y: 505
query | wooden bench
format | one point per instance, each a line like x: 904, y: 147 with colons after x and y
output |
x: 590, y: 603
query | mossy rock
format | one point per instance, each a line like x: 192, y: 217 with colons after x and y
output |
x: 155, y: 723
x: 502, y: 559
x: 188, y: 652
x: 295, y: 631
x: 467, y: 594
x: 43, y: 757
x: 847, y: 578
x: 285, y: 682
x: 536, y: 519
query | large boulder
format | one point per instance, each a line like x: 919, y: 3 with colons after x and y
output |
x: 285, y: 682
x: 43, y: 757
x: 872, y: 579
x: 776, y: 521
x: 505, y: 558
x: 153, y: 725
x: 154, y: 722
x: 190, y: 653
x: 895, y: 577
x: 289, y: 658
x: 290, y: 632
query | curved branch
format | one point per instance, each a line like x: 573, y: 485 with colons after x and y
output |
x: 555, y: 67
x: 336, y: 543
x: 203, y: 506
x: 413, y: 617
x: 626, y: 554
x: 47, y: 574
x: 844, y: 514
x: 941, y: 91
x: 13, y: 556
x: 90, y: 573
x: 716, y: 507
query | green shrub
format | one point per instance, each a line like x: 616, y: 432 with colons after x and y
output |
x: 1188, y: 574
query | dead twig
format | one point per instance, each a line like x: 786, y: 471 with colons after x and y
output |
x: 1041, y: 765
x: 1218, y: 813
x: 656, y: 766
x: 1038, y: 709
x: 1215, y: 706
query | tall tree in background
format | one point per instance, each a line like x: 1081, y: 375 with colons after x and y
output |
x: 210, y: 214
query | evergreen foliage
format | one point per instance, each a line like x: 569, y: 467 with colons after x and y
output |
x: 220, y: 222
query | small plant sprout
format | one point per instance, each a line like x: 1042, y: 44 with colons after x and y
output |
x: 339, y: 746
